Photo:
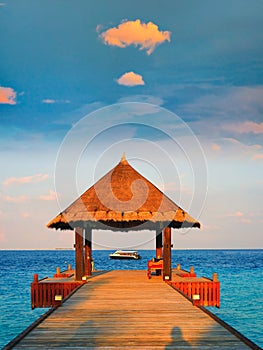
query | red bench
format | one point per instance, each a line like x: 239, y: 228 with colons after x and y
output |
x: 154, y: 266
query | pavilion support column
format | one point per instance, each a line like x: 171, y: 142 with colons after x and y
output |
x: 79, y: 271
x: 88, y: 251
x: 167, y: 269
x: 159, y: 244
x: 159, y: 249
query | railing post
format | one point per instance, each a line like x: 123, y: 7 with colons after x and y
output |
x: 35, y: 278
x: 215, y: 277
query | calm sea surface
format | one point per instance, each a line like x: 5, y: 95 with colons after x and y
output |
x: 240, y: 273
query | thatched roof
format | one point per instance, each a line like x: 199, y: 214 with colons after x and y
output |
x: 123, y: 199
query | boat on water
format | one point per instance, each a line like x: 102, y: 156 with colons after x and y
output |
x: 125, y: 254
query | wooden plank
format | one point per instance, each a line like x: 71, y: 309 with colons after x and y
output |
x: 123, y: 309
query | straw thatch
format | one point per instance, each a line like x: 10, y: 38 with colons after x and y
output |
x: 123, y: 199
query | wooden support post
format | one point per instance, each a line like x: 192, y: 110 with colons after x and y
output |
x: 159, y: 245
x: 88, y: 252
x: 167, y: 270
x: 79, y: 272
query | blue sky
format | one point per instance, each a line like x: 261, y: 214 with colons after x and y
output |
x: 193, y: 72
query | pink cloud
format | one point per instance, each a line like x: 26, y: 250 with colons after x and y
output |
x: 24, y: 180
x: 257, y: 156
x: 48, y: 101
x: 130, y: 79
x: 246, y: 127
x: 2, y: 237
x: 50, y: 197
x: 145, y: 35
x: 18, y: 199
x: 242, y: 217
x: 215, y: 147
x: 237, y: 214
x: 245, y: 221
x: 7, y: 96
x: 211, y: 227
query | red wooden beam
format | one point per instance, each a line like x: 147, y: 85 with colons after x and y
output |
x: 159, y: 245
x: 79, y: 271
x: 88, y: 252
x: 167, y: 270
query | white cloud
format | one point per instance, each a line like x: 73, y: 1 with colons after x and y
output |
x: 149, y: 99
x: 130, y: 79
x: 26, y: 179
x: 51, y: 101
x: 243, y: 102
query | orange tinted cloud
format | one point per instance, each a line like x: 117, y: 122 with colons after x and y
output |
x: 145, y: 35
x: 130, y: 79
x: 7, y: 96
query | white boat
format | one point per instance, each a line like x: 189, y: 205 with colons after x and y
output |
x: 125, y: 254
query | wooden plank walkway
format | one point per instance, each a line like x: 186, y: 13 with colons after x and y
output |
x: 125, y: 310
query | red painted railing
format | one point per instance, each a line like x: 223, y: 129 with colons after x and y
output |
x: 43, y: 293
x: 201, y: 293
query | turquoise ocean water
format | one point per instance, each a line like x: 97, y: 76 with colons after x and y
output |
x: 240, y: 273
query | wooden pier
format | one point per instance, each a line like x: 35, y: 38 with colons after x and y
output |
x: 126, y: 310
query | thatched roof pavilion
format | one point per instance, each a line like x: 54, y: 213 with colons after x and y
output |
x: 122, y: 200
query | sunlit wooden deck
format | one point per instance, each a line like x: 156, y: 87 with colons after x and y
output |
x: 125, y: 310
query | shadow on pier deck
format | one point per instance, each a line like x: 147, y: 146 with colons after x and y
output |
x: 125, y: 310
